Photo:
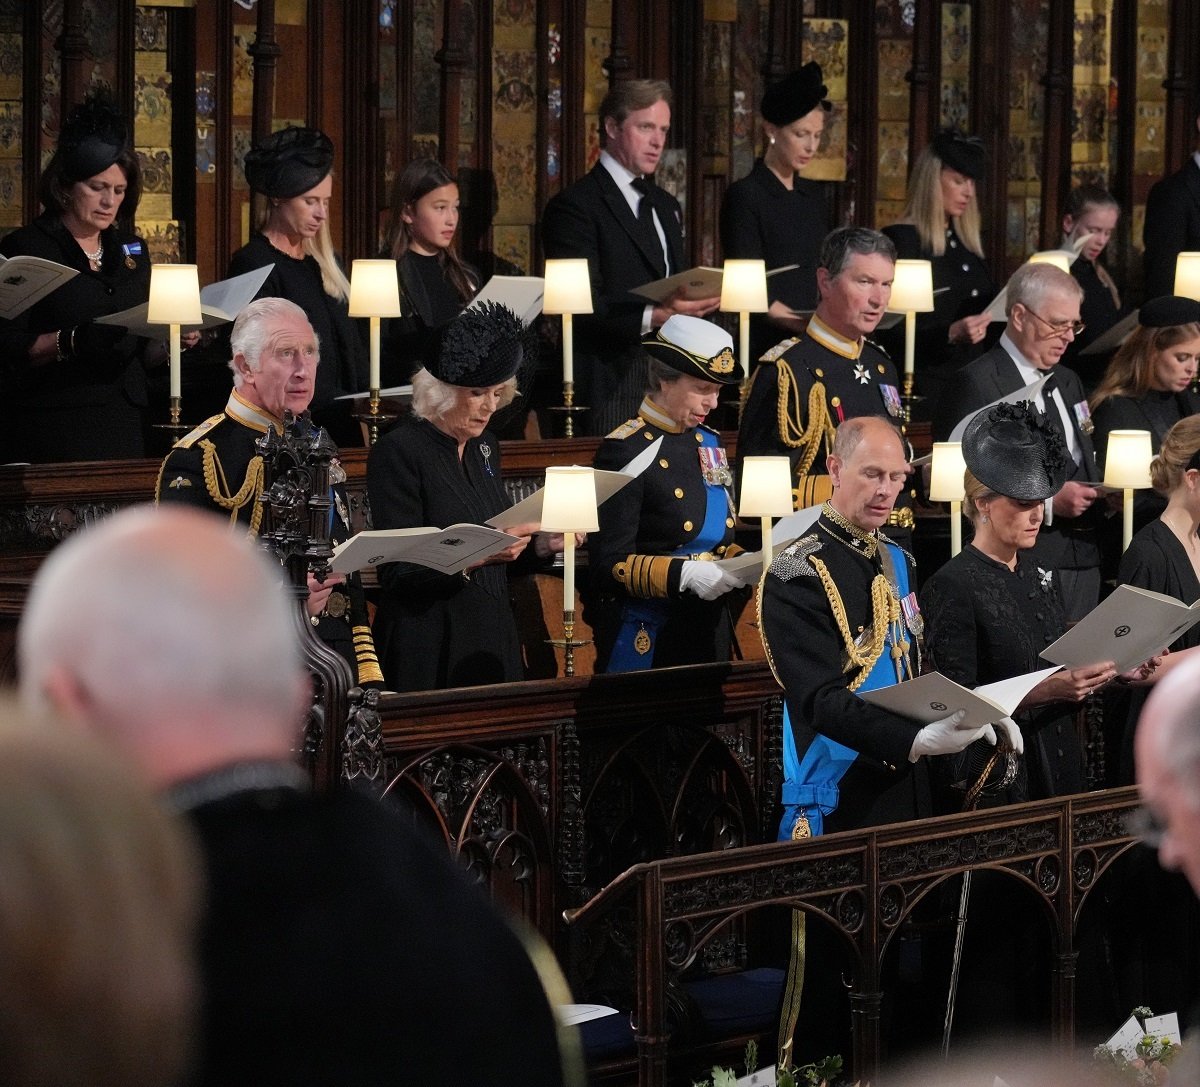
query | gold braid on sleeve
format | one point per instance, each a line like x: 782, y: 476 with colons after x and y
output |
x: 792, y: 432
x: 885, y: 610
x: 218, y: 488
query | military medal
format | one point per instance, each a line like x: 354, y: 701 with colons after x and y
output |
x: 891, y: 400
x: 131, y: 249
x: 641, y: 642
x: 337, y: 605
x: 714, y: 466
x: 861, y: 374
x: 912, y: 615
x: 1083, y: 416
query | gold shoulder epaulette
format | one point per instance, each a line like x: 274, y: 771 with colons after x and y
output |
x: 630, y: 426
x: 190, y: 439
x: 779, y: 349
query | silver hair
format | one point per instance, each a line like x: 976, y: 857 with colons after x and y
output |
x: 147, y: 628
x: 849, y: 241
x: 1031, y: 283
x: 251, y: 331
x: 433, y: 398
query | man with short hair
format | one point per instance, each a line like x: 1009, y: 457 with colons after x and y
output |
x: 1043, y: 317
x: 1172, y: 224
x: 338, y: 947
x: 217, y: 466
x: 631, y: 233
x: 806, y: 386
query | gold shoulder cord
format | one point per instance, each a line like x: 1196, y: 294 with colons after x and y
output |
x: 218, y: 490
x: 885, y: 610
x: 795, y: 436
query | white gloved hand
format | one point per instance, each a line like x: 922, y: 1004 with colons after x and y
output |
x: 1012, y: 733
x: 944, y: 737
x: 706, y: 579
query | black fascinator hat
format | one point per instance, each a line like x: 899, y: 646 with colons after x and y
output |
x: 795, y: 95
x: 965, y: 154
x: 92, y: 138
x: 1014, y: 451
x: 484, y: 345
x: 289, y: 162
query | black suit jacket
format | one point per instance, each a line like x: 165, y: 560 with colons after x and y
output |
x: 1071, y: 542
x: 1172, y: 227
x: 592, y: 219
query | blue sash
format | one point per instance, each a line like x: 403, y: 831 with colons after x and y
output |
x: 649, y: 615
x: 810, y: 785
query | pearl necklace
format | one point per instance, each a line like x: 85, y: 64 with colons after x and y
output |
x: 97, y: 256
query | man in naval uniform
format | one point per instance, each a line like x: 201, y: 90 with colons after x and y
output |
x: 661, y: 600
x: 807, y: 385
x: 217, y: 466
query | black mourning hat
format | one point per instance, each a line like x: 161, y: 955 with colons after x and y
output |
x: 289, y: 162
x: 695, y: 347
x: 1170, y: 309
x: 92, y: 137
x: 1013, y: 450
x: 484, y: 345
x: 795, y: 95
x: 962, y: 153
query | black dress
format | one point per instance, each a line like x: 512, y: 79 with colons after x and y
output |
x: 762, y: 219
x: 984, y: 623
x: 92, y: 406
x: 428, y: 300
x: 345, y: 361
x: 1099, y: 312
x: 435, y: 630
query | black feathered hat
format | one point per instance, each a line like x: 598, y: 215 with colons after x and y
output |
x: 289, y: 162
x: 1013, y: 450
x: 965, y: 154
x: 92, y: 138
x: 795, y: 95
x: 484, y: 345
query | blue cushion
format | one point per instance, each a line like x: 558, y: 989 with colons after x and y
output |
x: 745, y: 1001
x: 608, y: 1037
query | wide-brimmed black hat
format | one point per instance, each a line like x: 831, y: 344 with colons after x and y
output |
x: 1170, y: 309
x: 1013, y: 450
x: 92, y: 138
x: 484, y: 345
x: 795, y: 95
x: 963, y: 153
x: 696, y: 347
x: 289, y: 162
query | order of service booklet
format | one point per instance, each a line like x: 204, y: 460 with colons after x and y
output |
x: 933, y: 696
x: 25, y: 280
x: 1128, y: 628
x: 699, y: 282
x: 449, y: 550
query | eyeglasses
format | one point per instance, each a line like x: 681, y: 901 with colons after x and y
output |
x: 1146, y: 826
x: 1073, y: 328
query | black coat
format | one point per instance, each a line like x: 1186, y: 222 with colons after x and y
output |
x: 1172, y: 227
x: 438, y: 630
x: 93, y: 405
x: 428, y: 300
x: 592, y: 219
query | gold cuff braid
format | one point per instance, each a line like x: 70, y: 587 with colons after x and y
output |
x: 644, y: 576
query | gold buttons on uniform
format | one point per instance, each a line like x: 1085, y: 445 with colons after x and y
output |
x: 721, y: 550
x: 835, y: 401
x: 648, y: 436
x: 678, y: 492
x: 729, y: 522
x: 663, y: 462
x: 687, y: 526
x: 880, y: 367
x: 700, y: 438
x: 819, y: 372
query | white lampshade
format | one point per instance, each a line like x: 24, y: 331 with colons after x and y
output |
x: 766, y: 487
x: 946, y: 473
x: 1187, y: 275
x: 174, y: 295
x: 374, y: 289
x: 912, y: 287
x: 569, y: 501
x: 1059, y: 259
x: 1127, y: 464
x: 568, y: 286
x: 744, y: 286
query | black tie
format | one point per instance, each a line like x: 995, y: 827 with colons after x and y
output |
x: 645, y: 216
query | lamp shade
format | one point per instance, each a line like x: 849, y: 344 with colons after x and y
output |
x: 569, y: 501
x: 174, y: 295
x: 1127, y: 464
x: 946, y: 473
x: 744, y: 286
x: 568, y: 286
x: 1187, y: 275
x: 1059, y: 259
x: 374, y: 289
x: 766, y: 487
x: 912, y: 287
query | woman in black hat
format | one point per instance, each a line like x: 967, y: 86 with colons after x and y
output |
x: 941, y: 225
x: 991, y: 610
x: 775, y: 215
x: 73, y: 389
x: 292, y: 169
x: 440, y: 468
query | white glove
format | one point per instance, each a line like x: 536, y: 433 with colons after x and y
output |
x: 706, y: 579
x: 944, y: 737
x: 1012, y: 734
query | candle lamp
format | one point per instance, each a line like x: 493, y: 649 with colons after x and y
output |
x: 569, y: 506
x: 1187, y: 275
x: 1127, y: 466
x: 766, y: 492
x: 912, y: 293
x: 744, y: 291
x: 947, y: 484
x: 175, y: 301
x: 568, y: 291
x: 374, y: 294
